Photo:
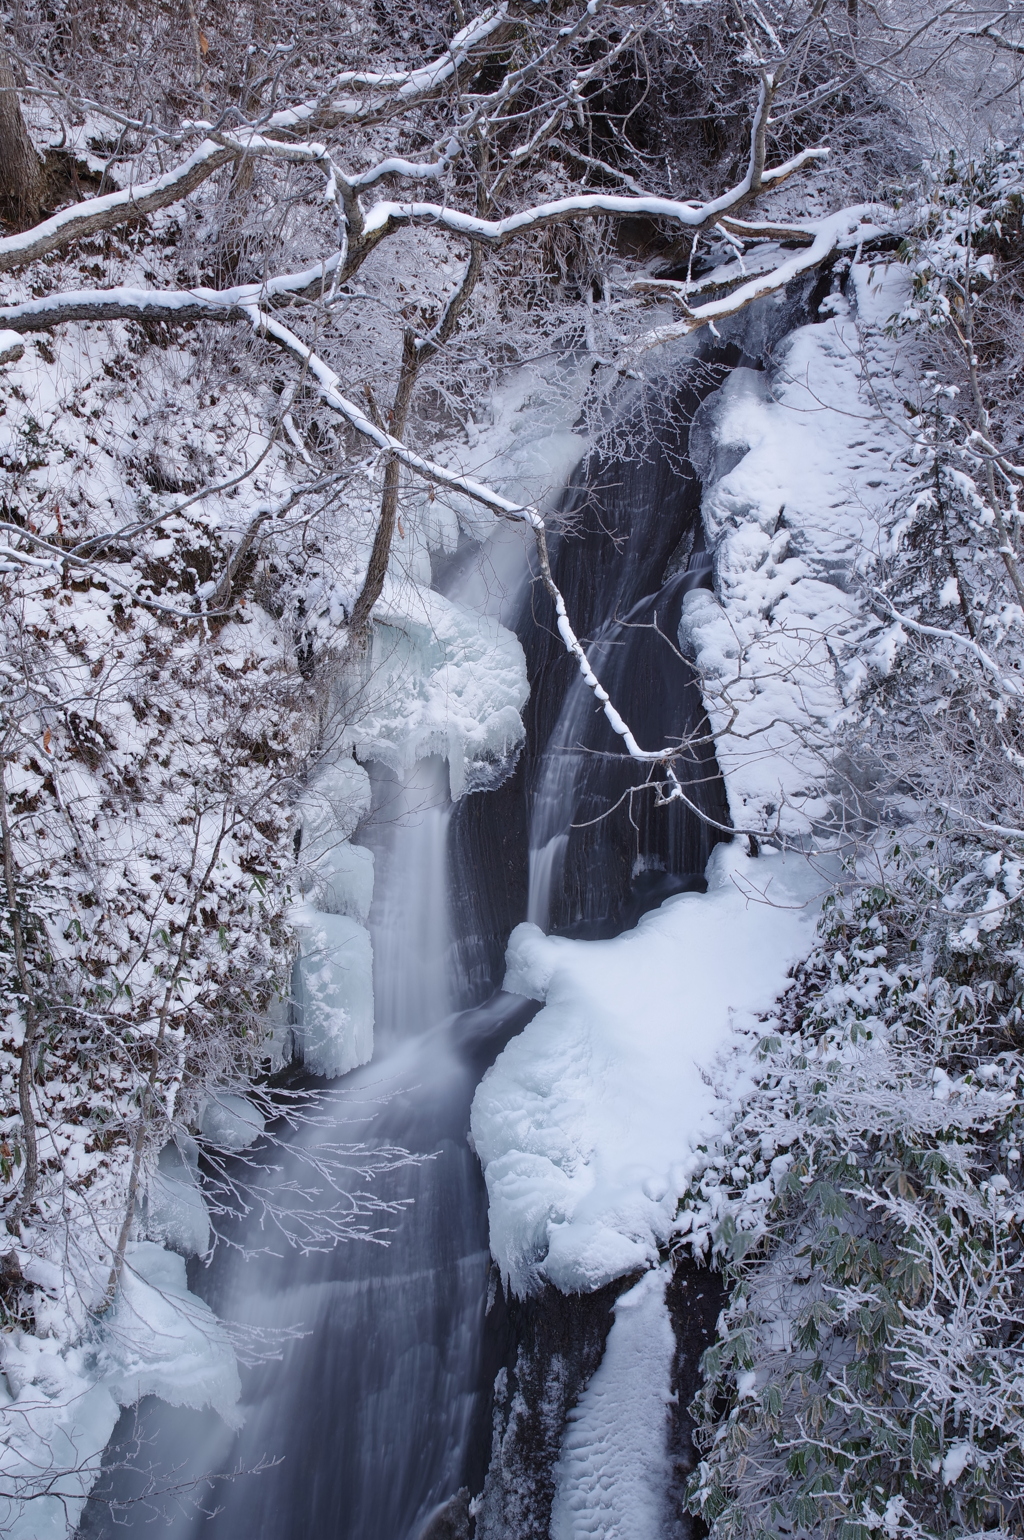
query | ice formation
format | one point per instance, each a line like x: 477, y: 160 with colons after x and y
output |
x: 58, y: 1406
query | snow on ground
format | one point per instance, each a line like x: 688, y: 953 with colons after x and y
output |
x: 586, y: 1122
x: 611, y: 1476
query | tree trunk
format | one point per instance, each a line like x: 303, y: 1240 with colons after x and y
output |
x: 27, y: 1069
x: 21, y: 179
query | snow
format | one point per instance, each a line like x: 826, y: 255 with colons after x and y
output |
x: 54, y: 1424
x: 845, y: 230
x: 688, y: 214
x: 333, y: 991
x: 611, y: 1477
x: 798, y: 471
x: 43, y: 236
x: 586, y: 1121
x: 955, y: 1462
x: 403, y: 84
x: 160, y: 1340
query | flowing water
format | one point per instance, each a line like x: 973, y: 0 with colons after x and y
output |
x: 381, y: 1410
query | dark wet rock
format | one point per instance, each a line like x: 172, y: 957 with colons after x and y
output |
x: 695, y: 1298
x: 556, y: 1343
x: 451, y: 1521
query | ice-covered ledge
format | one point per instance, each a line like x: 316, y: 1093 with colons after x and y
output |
x: 587, y: 1122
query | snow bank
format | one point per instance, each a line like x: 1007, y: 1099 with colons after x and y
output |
x: 58, y: 1406
x: 612, y: 1475
x: 798, y: 469
x: 585, y: 1123
x: 54, y: 1424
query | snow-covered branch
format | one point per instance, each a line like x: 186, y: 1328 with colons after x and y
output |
x: 691, y: 215
x: 94, y: 214
x: 396, y: 92
x: 1006, y: 683
x: 849, y: 229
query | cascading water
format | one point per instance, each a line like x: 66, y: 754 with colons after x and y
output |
x: 601, y: 850
x: 372, y: 1418
x: 369, y: 1423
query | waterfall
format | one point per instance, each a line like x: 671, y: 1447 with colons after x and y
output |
x: 375, y: 1409
x: 361, y: 1425
x: 408, y: 833
x: 600, y: 851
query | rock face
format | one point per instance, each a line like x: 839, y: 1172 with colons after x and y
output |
x: 694, y: 1298
x: 555, y: 1343
x: 452, y: 1521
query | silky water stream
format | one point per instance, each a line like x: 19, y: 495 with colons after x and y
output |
x: 367, y: 1424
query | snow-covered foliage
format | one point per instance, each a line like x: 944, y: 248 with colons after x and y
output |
x: 148, y: 759
x: 865, y: 1201
x: 866, y: 1207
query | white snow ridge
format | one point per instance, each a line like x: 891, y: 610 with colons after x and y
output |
x: 611, y: 1477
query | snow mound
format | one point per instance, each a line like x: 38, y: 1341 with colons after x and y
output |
x: 444, y: 681
x: 54, y: 1424
x: 612, y: 1475
x: 232, y: 1123
x: 585, y: 1123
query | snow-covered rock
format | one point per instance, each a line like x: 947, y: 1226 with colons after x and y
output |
x: 586, y: 1121
x: 231, y: 1122
x: 798, y: 466
x: 177, y: 1211
x: 611, y: 1477
x: 59, y: 1405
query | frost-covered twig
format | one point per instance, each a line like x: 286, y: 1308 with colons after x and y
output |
x: 397, y: 91
x: 1009, y: 685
